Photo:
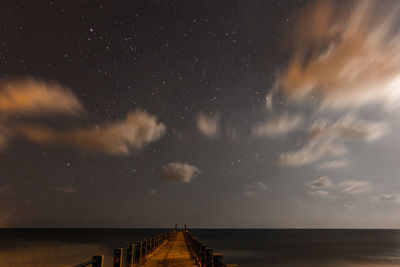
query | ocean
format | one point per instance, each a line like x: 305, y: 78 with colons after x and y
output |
x: 246, y: 247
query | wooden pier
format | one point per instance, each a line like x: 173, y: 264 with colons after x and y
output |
x: 172, y: 249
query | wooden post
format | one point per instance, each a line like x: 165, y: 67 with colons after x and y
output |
x: 99, y: 261
x: 218, y: 260
x: 209, y: 257
x: 140, y: 251
x: 118, y: 257
x: 130, y: 255
x: 144, y: 249
x: 185, y: 227
x: 203, y: 254
x: 176, y: 227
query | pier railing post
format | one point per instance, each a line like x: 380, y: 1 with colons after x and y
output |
x: 118, y: 257
x: 218, y: 260
x: 139, y: 251
x: 203, y: 255
x: 130, y: 256
x: 209, y: 257
x: 99, y: 261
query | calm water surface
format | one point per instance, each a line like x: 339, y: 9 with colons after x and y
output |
x: 246, y: 247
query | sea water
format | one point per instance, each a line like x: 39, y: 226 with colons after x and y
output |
x: 246, y: 247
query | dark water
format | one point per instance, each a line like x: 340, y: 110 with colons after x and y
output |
x: 246, y: 247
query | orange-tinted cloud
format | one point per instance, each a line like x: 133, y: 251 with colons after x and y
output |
x: 345, y: 61
x: 34, y: 97
x: 136, y: 130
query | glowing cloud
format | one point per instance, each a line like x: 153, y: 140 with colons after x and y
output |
x: 208, y: 125
x: 138, y: 129
x: 345, y: 61
x: 179, y: 172
x: 278, y: 126
x: 311, y: 152
x: 325, y: 137
x: 348, y: 127
x: 34, y: 97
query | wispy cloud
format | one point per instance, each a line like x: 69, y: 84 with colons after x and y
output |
x: 179, y: 172
x: 333, y: 164
x: 345, y: 61
x: 355, y: 187
x: 34, y: 97
x: 279, y: 126
x: 325, y: 139
x: 322, y: 193
x: 254, y: 188
x: 324, y: 187
x: 138, y: 129
x: 208, y: 125
x: 320, y: 183
x: 348, y: 127
x: 387, y: 198
x: 311, y: 152
x: 319, y: 186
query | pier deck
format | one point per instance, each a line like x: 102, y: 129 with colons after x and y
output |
x: 174, y: 253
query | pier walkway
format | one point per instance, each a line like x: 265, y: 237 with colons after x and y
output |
x: 174, y: 253
x: 178, y: 248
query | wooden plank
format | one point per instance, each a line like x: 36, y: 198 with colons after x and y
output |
x: 174, y: 253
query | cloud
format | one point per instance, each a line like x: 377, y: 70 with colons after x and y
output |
x: 348, y: 127
x: 260, y: 185
x: 322, y: 193
x: 254, y: 188
x: 64, y: 189
x: 179, y: 172
x: 35, y: 97
x: 325, y: 139
x: 355, y: 187
x: 320, y: 183
x: 333, y: 164
x: 277, y: 126
x: 387, y: 198
x: 311, y: 152
x: 7, y: 190
x: 208, y: 125
x: 345, y: 61
x: 138, y: 129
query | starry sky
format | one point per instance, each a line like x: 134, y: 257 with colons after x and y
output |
x: 266, y: 114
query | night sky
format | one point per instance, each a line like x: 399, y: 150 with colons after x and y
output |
x: 210, y: 113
